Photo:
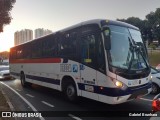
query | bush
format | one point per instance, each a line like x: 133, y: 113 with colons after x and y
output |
x: 152, y: 46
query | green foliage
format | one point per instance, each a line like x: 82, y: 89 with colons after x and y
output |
x: 5, y: 8
x: 152, y: 46
x: 154, y: 58
x: 150, y: 28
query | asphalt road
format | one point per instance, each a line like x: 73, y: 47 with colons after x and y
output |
x: 54, y: 106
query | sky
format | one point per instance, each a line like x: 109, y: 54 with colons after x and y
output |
x: 58, y: 14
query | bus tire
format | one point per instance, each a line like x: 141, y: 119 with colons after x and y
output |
x: 23, y: 81
x: 70, y: 92
x: 155, y: 88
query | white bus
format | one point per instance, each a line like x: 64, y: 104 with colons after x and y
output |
x: 102, y: 60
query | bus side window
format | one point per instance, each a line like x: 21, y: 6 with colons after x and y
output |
x: 13, y: 54
x: 67, y: 46
x: 88, y: 50
x: 49, y: 47
x: 19, y: 53
x: 26, y: 51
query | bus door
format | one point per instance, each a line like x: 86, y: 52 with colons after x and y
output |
x: 88, y: 66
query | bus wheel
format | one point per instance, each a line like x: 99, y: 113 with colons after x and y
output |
x: 71, y: 92
x: 23, y: 81
x: 155, y: 88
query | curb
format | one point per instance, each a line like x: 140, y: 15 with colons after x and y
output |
x: 8, y: 101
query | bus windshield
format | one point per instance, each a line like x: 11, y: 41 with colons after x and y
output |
x: 127, y: 50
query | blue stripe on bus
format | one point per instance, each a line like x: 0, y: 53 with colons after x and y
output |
x: 114, y: 92
x: 44, y: 79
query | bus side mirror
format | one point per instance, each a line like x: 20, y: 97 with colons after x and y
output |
x: 107, y: 40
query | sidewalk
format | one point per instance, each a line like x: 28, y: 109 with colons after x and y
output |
x: 3, y: 104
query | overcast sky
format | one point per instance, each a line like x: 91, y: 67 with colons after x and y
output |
x: 58, y: 14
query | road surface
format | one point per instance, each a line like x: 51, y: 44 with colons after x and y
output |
x: 53, y: 105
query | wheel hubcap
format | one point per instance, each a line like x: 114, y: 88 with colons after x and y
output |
x: 70, y: 91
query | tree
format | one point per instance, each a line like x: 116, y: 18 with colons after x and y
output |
x: 141, y: 24
x: 153, y: 19
x: 150, y: 27
x: 5, y: 16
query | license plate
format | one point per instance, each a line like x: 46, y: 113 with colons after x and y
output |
x: 133, y: 82
x: 89, y: 88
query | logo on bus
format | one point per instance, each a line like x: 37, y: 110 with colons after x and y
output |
x: 75, y: 68
x: 68, y: 68
x: 65, y: 68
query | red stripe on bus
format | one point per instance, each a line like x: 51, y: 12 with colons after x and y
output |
x: 43, y: 60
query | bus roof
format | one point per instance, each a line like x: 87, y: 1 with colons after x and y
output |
x: 118, y: 23
x: 100, y: 22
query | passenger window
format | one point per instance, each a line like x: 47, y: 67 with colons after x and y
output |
x: 49, y: 47
x: 67, y: 45
x: 19, y: 54
x: 13, y: 54
x: 88, y: 50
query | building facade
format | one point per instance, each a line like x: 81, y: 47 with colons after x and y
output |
x: 22, y: 36
x: 42, y: 32
x: 26, y: 35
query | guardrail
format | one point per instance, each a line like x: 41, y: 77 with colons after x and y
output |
x: 153, y: 50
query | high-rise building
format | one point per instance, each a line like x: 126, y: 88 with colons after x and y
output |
x: 41, y: 32
x: 22, y: 36
x: 26, y: 35
x: 16, y: 38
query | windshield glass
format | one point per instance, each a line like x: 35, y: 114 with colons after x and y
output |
x: 136, y: 37
x: 123, y: 54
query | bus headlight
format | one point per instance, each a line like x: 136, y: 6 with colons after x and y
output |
x: 119, y: 84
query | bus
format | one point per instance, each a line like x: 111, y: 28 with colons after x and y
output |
x: 103, y: 60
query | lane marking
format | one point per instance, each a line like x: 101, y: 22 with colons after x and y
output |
x: 46, y: 103
x: 146, y: 99
x: 30, y: 95
x: 74, y: 117
x: 25, y: 100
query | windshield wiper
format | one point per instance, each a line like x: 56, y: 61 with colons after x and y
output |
x: 131, y: 47
x: 141, y: 53
x: 134, y: 47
